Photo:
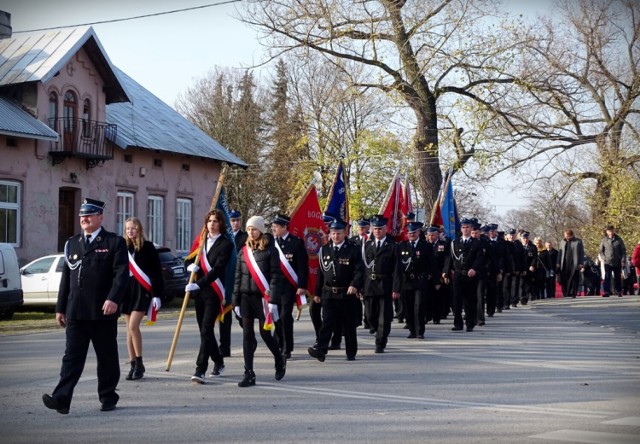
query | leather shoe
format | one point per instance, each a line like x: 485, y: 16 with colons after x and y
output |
x: 107, y: 407
x: 379, y: 349
x: 411, y: 336
x: 334, y: 347
x: 315, y: 353
x: 287, y: 355
x: 456, y: 329
x: 420, y: 336
x: 54, y: 404
x: 469, y: 329
x: 351, y: 358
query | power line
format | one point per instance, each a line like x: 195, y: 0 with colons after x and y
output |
x: 131, y: 18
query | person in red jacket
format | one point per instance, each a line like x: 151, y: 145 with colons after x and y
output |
x: 635, y: 260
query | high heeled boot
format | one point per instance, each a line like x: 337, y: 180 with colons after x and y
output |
x: 138, y: 371
x: 248, y: 380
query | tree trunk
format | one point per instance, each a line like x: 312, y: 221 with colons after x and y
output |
x: 427, y: 160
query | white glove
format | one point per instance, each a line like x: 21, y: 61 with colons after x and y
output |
x: 236, y: 309
x: 192, y: 287
x: 156, y: 303
x: 193, y: 268
x: 273, y: 309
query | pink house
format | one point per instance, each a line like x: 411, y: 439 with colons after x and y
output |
x: 73, y: 126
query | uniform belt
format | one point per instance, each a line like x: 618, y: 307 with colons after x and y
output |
x: 417, y: 275
x: 336, y: 290
x: 375, y: 276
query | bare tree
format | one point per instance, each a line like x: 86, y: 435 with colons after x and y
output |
x: 437, y: 57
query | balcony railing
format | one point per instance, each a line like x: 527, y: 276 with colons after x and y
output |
x: 86, y: 139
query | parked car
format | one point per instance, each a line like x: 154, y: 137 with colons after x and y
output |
x: 41, y: 278
x: 174, y: 273
x: 10, y: 287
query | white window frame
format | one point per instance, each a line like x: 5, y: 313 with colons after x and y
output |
x: 155, y: 219
x: 184, y: 211
x: 125, y: 210
x: 13, y: 207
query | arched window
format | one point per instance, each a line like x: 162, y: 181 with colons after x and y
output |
x: 86, y: 118
x: 70, y: 111
x: 53, y: 111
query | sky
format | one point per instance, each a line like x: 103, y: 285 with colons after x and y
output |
x: 167, y: 53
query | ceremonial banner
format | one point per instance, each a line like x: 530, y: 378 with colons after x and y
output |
x: 449, y: 211
x: 391, y: 208
x: 338, y: 199
x: 306, y: 223
x: 406, y: 205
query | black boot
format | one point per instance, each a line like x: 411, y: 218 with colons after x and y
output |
x: 139, y: 369
x: 281, y: 367
x: 248, y: 380
x: 130, y: 374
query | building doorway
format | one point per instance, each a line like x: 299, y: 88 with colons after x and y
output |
x: 67, y: 215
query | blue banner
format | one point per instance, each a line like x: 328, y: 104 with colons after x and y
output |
x: 338, y: 201
x: 449, y: 211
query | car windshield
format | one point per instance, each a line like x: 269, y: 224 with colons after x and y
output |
x: 166, y: 256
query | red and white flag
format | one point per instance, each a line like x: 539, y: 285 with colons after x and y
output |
x: 391, y: 208
x: 307, y: 224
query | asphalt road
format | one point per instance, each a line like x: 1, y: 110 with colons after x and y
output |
x: 553, y: 371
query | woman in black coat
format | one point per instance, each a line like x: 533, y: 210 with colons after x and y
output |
x: 215, y: 257
x: 254, y: 280
x: 145, y: 287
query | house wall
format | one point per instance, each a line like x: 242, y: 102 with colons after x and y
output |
x: 30, y: 164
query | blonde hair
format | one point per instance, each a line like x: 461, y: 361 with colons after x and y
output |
x: 259, y: 244
x: 139, y: 239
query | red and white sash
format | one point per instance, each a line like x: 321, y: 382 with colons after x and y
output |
x: 140, y: 275
x: 261, y: 282
x: 291, y: 276
x: 217, y: 285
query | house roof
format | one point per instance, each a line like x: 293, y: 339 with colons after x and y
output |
x: 147, y: 122
x: 37, y: 57
x: 16, y: 122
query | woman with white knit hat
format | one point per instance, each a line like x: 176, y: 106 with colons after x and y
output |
x: 257, y: 273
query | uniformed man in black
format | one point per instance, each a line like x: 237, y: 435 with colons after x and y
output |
x: 93, y: 281
x: 379, y: 259
x: 530, y: 254
x: 438, y: 293
x: 479, y: 232
x: 519, y: 268
x: 414, y: 267
x: 294, y: 263
x: 359, y: 240
x: 239, y: 239
x: 340, y: 278
x: 466, y: 260
x: 510, y: 269
x: 496, y: 252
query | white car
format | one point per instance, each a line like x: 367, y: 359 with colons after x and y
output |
x: 41, y: 280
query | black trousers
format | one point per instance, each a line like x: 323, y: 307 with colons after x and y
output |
x: 344, y: 312
x: 103, y: 336
x: 415, y: 303
x: 569, y: 281
x: 224, y: 329
x: 207, y: 310
x: 284, y: 326
x: 550, y: 287
x: 493, y: 288
x: 381, y: 311
x: 465, y: 296
x: 481, y: 296
x: 249, y: 342
x: 315, y: 312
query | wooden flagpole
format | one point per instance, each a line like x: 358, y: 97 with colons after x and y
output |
x: 203, y: 235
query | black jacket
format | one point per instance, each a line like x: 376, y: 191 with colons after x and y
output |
x: 149, y: 261
x: 240, y: 238
x: 414, y: 266
x: 218, y: 257
x: 100, y: 272
x: 465, y: 256
x: 296, y: 254
x: 268, y: 263
x: 379, y: 266
x: 339, y: 271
